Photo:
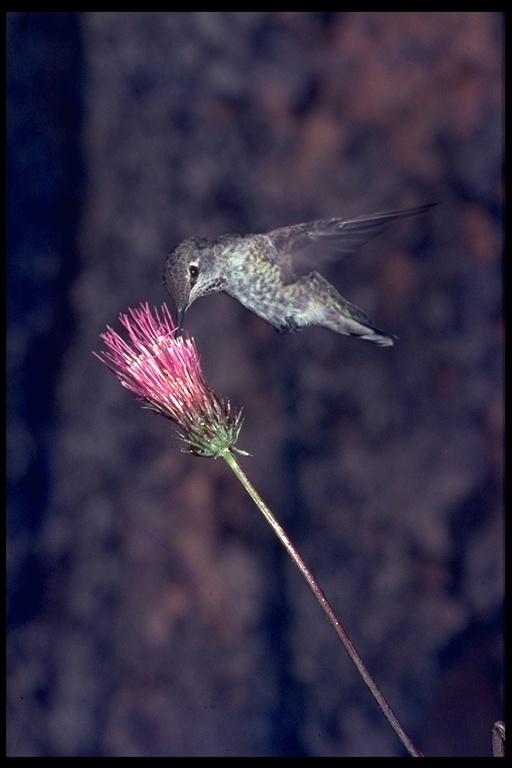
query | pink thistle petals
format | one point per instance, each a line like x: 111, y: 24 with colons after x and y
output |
x: 163, y: 370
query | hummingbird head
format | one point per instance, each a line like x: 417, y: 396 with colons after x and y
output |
x: 189, y: 273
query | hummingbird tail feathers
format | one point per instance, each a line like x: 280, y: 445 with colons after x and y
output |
x: 363, y: 330
x: 328, y: 308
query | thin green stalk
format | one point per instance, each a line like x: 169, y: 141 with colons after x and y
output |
x: 322, y: 600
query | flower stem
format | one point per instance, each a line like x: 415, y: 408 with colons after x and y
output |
x: 322, y: 600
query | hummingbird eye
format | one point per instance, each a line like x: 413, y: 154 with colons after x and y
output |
x: 193, y: 272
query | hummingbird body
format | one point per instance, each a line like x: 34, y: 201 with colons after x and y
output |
x: 264, y: 273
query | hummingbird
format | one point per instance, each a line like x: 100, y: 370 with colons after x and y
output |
x: 269, y: 273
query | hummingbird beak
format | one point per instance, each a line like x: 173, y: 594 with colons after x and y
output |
x: 180, y: 317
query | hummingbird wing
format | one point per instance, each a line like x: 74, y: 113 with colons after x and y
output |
x: 297, y: 244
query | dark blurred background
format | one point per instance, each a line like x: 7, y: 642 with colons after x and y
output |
x: 150, y: 610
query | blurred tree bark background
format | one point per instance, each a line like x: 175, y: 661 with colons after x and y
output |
x: 150, y: 611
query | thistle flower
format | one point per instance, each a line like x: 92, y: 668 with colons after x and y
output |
x: 163, y: 370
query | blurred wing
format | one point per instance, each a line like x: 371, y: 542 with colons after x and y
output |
x: 297, y: 244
